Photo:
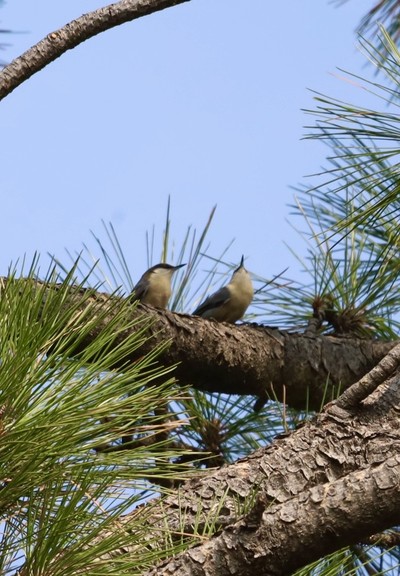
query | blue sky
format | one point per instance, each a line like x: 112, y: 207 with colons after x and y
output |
x: 202, y: 102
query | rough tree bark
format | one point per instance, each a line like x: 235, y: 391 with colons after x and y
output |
x: 245, y: 359
x: 73, y: 34
x: 331, y: 483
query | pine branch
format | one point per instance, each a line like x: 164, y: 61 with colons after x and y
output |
x: 73, y: 34
x: 280, y: 538
x: 333, y: 482
x: 246, y: 359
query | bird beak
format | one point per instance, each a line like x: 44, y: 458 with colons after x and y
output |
x: 241, y: 262
x: 179, y: 266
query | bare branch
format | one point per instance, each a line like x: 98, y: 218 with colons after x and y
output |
x: 73, y: 34
x: 366, y: 385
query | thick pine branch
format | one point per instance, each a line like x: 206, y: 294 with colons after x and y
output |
x: 331, y: 483
x: 73, y: 34
x: 256, y: 501
x: 246, y: 359
x: 277, y: 539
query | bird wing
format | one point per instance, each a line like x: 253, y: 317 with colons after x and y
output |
x: 139, y: 291
x: 219, y: 298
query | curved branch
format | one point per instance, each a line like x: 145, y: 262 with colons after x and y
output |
x: 73, y: 34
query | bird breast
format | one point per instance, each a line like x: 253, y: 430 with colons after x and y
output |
x: 159, y: 291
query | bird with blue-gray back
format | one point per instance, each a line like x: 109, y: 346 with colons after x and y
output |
x: 230, y: 302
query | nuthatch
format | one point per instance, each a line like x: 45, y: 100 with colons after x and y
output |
x: 154, y: 287
x: 230, y: 302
